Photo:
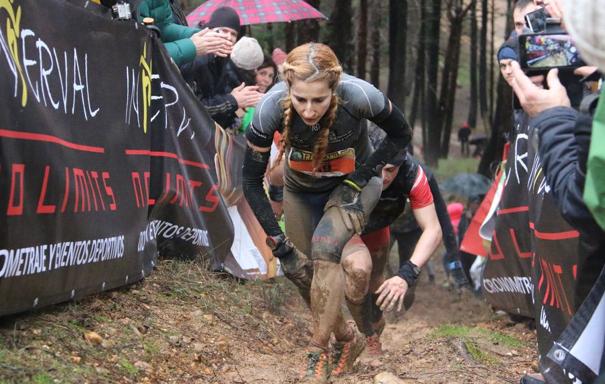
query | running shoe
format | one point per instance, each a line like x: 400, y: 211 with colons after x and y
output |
x: 318, y: 368
x: 345, y: 353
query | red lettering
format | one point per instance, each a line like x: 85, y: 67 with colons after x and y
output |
x: 45, y: 208
x: 212, y: 197
x: 66, y: 195
x: 95, y: 177
x: 150, y: 201
x: 92, y: 190
x: 17, y: 170
x: 81, y: 189
x: 112, y: 206
x: 499, y: 255
x: 181, y: 192
x: 137, y: 188
x: 520, y: 254
x: 165, y: 194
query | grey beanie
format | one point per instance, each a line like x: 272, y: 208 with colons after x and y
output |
x: 583, y: 20
x: 247, y: 54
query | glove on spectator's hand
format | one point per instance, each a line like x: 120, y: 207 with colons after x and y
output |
x: 346, y: 198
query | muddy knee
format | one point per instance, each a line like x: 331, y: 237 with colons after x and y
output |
x: 357, y: 282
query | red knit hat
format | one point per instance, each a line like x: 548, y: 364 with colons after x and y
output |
x: 279, y: 56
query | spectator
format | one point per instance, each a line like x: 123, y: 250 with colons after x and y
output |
x: 266, y: 75
x: 522, y: 8
x: 464, y: 133
x: 240, y: 72
x: 279, y: 57
x: 506, y: 55
x: 565, y: 137
x: 264, y: 78
x: 207, y: 74
x: 183, y: 43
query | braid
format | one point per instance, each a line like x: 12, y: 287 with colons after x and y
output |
x: 321, y: 145
x: 287, y: 107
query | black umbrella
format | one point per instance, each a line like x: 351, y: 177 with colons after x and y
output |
x: 467, y: 185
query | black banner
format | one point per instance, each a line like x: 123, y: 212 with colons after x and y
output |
x: 533, y: 263
x: 507, y: 281
x: 106, y: 157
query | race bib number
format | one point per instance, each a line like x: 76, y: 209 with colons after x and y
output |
x: 334, y: 164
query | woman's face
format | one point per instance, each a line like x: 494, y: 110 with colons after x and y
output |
x: 311, y: 100
x: 264, y: 78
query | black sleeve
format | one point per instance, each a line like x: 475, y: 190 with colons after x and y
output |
x: 255, y: 165
x: 398, y: 136
x: 563, y: 134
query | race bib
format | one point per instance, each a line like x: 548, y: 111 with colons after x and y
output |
x: 334, y: 164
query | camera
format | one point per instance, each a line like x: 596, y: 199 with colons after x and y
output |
x: 541, y: 52
x: 539, y: 21
x: 121, y: 11
x: 548, y: 46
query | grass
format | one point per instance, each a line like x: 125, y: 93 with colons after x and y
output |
x: 470, y: 338
x: 140, y: 322
x: 451, y: 167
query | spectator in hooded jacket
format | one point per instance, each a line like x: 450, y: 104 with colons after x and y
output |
x: 565, y: 136
x: 183, y: 43
x: 207, y: 73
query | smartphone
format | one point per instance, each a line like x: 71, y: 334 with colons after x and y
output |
x: 540, y: 21
x: 536, y: 20
x: 541, y: 52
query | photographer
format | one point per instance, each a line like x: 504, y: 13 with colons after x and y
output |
x: 565, y: 136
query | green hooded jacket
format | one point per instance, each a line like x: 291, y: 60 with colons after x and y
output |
x: 176, y: 37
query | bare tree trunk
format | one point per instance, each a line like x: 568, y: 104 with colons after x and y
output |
x: 397, y: 51
x: 492, y: 56
x: 483, y: 61
x: 456, y: 14
x: 271, y: 39
x: 362, y: 39
x: 376, y: 18
x: 290, y: 37
x: 431, y: 151
x: 472, y: 107
x: 419, y: 83
x: 308, y: 30
x: 502, y: 123
x: 503, y: 115
x: 340, y: 35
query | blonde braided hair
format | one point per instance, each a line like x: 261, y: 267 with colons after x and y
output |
x: 311, y: 62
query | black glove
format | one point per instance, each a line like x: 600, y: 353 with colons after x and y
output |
x: 346, y: 198
x: 280, y: 245
x: 296, y: 265
x: 361, y: 176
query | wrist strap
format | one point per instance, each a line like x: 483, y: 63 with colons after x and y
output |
x: 409, y: 272
x: 352, y: 184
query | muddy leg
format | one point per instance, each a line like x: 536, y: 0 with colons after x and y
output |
x: 379, y: 249
x: 357, y: 265
x: 327, y: 294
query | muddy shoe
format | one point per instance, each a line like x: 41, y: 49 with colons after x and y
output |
x: 345, y: 353
x: 318, y: 368
x: 299, y: 269
x: 378, y: 326
x: 374, y: 346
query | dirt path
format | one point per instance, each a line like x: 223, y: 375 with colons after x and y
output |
x: 183, y: 325
x: 444, y: 338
